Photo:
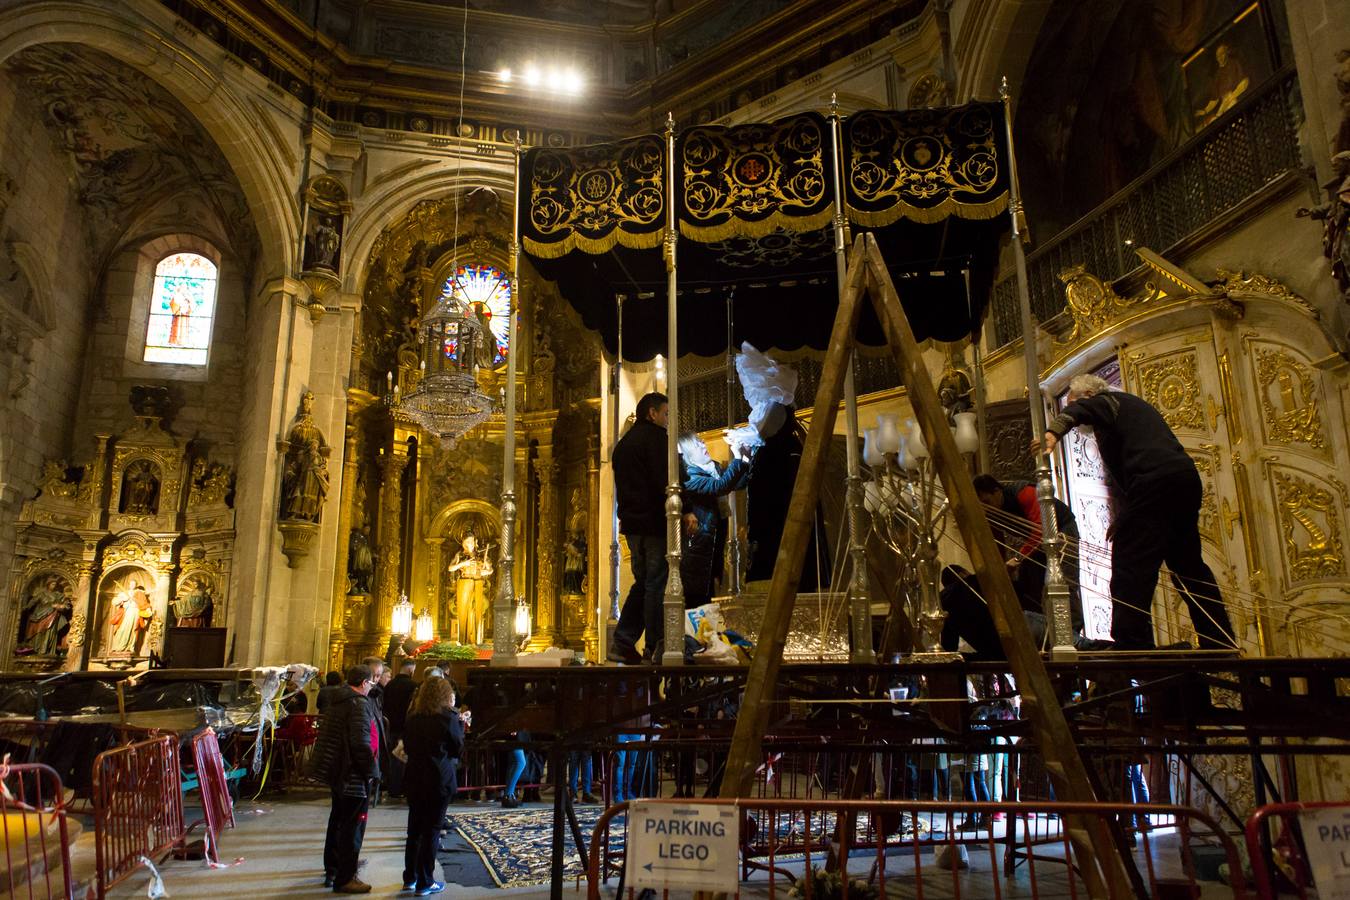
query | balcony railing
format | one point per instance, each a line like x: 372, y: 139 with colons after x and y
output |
x: 1233, y: 158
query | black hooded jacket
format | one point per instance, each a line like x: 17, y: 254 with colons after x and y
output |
x: 342, y: 756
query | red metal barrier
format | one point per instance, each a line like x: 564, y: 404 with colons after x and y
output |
x: 921, y: 845
x: 138, y: 807
x: 34, y: 834
x: 217, y: 807
x: 1276, y: 848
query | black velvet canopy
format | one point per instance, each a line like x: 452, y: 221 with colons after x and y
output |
x: 754, y: 208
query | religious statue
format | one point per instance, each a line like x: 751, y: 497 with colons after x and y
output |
x: 140, y: 489
x: 47, y: 613
x: 304, y: 484
x: 129, y: 619
x: 325, y: 244
x: 210, y: 483
x: 472, y: 568
x: 54, y: 481
x: 193, y: 606
x: 360, y: 561
x: 574, y: 551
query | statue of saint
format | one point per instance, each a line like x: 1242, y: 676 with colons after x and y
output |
x: 48, y: 615
x: 360, y: 561
x: 140, y: 489
x: 129, y: 620
x: 193, y: 606
x: 472, y: 569
x: 326, y: 242
x: 574, y: 551
x: 304, y: 484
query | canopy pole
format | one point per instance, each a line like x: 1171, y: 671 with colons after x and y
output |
x: 859, y: 595
x: 1055, y: 599
x: 733, y: 517
x: 503, y: 604
x: 615, y: 556
x: 673, y: 654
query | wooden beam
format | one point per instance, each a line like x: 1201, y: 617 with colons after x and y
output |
x: 1091, y: 836
x: 753, y: 720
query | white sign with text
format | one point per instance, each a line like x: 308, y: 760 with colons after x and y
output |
x: 682, y: 846
x: 1326, y: 835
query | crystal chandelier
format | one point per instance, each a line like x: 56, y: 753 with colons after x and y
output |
x: 446, y: 400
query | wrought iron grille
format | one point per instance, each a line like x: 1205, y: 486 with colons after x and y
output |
x: 1250, y: 146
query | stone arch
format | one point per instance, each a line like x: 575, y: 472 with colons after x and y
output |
x: 996, y: 40
x: 384, y: 208
x: 443, y: 520
x: 197, y: 83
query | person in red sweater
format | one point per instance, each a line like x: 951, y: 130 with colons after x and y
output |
x: 1026, y: 563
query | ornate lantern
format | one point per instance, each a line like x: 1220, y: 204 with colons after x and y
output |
x: 446, y: 400
x: 425, y: 629
x: 402, y: 620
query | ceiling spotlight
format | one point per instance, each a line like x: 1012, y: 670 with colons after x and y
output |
x: 571, y: 81
x: 531, y: 76
x: 505, y: 76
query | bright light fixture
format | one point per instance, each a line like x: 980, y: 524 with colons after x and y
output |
x: 505, y: 76
x: 571, y: 81
x: 531, y: 76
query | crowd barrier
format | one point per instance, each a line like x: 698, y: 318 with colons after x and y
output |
x: 138, y: 808
x: 919, y: 847
x: 36, y: 835
x: 1277, y: 845
x: 217, y: 807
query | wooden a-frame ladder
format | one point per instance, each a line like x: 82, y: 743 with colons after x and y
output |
x: 1098, y: 853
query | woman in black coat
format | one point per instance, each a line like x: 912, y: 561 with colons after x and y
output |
x: 433, y: 737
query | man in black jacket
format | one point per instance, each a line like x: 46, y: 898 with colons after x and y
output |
x: 345, y: 755
x: 1158, y: 519
x: 398, y: 695
x: 639, y: 462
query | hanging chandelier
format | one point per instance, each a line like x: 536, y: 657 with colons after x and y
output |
x: 446, y: 401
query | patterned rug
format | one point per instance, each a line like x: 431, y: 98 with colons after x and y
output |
x: 516, y: 845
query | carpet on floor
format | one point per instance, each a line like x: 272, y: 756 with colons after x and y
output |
x: 516, y: 845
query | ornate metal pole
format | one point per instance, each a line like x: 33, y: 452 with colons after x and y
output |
x: 859, y: 596
x: 504, y: 604
x: 615, y: 556
x: 674, y: 601
x: 1056, y: 598
x: 733, y: 518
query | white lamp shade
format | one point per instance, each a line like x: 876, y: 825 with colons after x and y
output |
x: 888, y: 433
x: 871, y: 452
x: 402, y: 620
x: 871, y: 496
x: 522, y: 622
x: 967, y: 438
x: 917, y: 448
x: 425, y: 629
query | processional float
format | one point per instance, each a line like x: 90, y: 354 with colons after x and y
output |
x: 762, y: 208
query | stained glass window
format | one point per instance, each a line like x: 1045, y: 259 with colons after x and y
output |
x: 182, y: 304
x: 487, y: 291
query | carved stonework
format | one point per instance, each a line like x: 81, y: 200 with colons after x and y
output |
x: 211, y: 483
x: 1310, y: 525
x: 1009, y: 427
x: 1172, y: 384
x: 1206, y: 462
x: 1288, y: 399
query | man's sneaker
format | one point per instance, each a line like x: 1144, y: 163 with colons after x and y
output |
x: 328, y: 879
x: 410, y: 885
x: 434, y: 888
x: 626, y: 655
x: 355, y: 886
x: 588, y: 797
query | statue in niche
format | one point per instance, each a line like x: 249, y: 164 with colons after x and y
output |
x: 360, y: 561
x: 129, y: 619
x: 304, y: 484
x: 325, y: 240
x: 194, y: 604
x: 574, y: 550
x: 210, y: 483
x: 140, y: 489
x: 472, y: 570
x: 46, y: 617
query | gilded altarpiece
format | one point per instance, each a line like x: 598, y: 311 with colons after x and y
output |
x: 1232, y: 364
x: 107, y: 547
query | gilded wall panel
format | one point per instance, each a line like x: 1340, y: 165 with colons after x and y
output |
x: 1310, y: 512
x: 1171, y: 382
x: 1289, y: 396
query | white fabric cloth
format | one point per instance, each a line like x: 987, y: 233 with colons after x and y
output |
x: 764, y: 383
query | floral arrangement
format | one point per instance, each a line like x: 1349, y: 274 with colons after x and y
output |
x: 449, y: 650
x: 830, y: 885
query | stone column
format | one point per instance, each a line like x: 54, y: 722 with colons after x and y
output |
x: 547, y: 625
x: 159, y: 598
x: 337, y: 633
x: 392, y: 464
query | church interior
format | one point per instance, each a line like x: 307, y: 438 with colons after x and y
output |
x: 322, y: 321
